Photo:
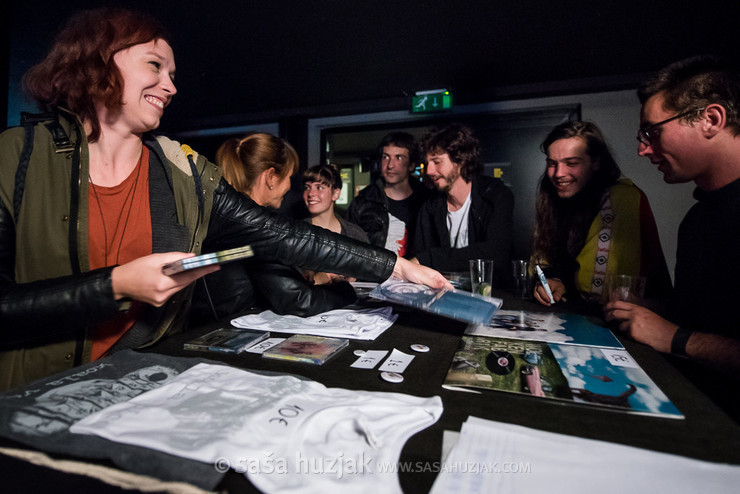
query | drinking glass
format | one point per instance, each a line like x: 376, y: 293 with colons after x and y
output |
x: 481, y: 276
x: 625, y: 287
x: 520, y: 271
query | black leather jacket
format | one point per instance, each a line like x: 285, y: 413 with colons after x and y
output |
x: 239, y: 286
x: 31, y: 310
x: 237, y: 220
x: 49, y: 298
x: 369, y: 210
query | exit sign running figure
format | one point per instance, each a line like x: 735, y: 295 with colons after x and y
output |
x: 431, y: 101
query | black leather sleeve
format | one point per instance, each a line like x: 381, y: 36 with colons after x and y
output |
x: 287, y: 292
x: 47, y: 307
x: 237, y: 220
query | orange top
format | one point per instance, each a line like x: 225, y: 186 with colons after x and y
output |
x: 120, y: 230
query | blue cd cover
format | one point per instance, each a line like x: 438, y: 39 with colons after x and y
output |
x: 456, y: 304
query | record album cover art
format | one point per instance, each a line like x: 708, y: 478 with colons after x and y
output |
x: 573, y: 329
x: 307, y: 348
x: 593, y: 376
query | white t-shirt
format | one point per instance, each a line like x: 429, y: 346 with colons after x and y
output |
x: 396, y: 239
x: 457, y: 225
x: 359, y: 324
x: 283, y: 433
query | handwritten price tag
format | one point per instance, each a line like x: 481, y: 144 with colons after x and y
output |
x: 397, y: 362
x: 264, y: 345
x: 370, y: 359
x: 620, y: 358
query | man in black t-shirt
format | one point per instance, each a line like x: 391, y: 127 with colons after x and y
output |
x: 387, y: 209
x: 691, y: 131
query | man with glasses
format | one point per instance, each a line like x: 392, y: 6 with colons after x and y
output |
x: 646, y: 134
x: 690, y: 129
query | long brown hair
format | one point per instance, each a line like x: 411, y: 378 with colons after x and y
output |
x: 243, y: 160
x: 561, y: 225
x: 79, y: 70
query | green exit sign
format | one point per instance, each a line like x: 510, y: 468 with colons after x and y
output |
x: 431, y: 101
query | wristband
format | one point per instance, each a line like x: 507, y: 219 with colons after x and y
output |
x: 678, y: 344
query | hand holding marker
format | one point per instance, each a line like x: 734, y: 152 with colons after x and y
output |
x: 546, y: 285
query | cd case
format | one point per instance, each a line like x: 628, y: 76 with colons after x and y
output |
x: 220, y: 257
x: 228, y: 340
x: 307, y: 348
x: 456, y: 304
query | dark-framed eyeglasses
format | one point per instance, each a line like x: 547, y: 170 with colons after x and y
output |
x: 646, y: 134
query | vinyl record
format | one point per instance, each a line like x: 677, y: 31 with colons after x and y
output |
x: 500, y: 363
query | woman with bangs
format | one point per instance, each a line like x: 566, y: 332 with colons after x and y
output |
x: 322, y: 186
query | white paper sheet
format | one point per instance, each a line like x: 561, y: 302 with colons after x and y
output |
x: 503, y: 458
x: 369, y: 359
x: 397, y: 362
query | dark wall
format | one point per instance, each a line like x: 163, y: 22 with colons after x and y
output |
x: 249, y: 62
x: 5, y: 20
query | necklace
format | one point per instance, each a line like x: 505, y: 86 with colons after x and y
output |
x: 130, y: 195
x: 457, y: 235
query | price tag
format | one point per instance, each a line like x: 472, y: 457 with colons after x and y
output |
x: 619, y: 358
x: 397, y: 362
x: 264, y: 345
x: 369, y: 359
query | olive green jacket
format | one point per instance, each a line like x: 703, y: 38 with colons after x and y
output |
x: 50, y: 260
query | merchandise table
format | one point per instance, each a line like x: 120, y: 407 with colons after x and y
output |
x: 706, y: 432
